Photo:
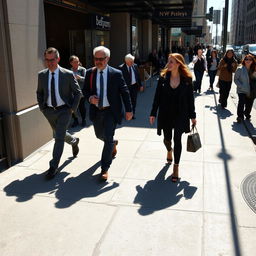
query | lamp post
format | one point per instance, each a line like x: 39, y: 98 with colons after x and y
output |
x: 225, y: 32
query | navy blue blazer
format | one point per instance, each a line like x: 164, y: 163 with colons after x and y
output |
x: 117, y: 91
x: 127, y: 76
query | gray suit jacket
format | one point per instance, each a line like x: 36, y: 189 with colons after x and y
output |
x: 69, y: 89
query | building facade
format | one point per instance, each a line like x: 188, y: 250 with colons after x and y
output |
x: 243, y: 22
x: 28, y: 27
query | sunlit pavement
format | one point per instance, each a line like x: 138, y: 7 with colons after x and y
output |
x: 139, y: 211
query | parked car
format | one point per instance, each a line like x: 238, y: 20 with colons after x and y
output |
x: 249, y: 49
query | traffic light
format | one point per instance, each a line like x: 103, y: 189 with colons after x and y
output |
x: 209, y: 16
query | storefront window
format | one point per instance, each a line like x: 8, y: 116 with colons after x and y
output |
x: 102, y: 38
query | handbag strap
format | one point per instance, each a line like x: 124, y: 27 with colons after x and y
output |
x: 193, y: 129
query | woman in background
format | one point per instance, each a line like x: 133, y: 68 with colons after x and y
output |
x: 212, y: 65
x: 227, y: 67
x: 200, y: 65
x: 242, y: 79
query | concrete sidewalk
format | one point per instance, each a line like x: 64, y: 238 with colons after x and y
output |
x: 139, y: 211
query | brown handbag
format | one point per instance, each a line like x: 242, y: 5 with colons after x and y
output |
x: 193, y: 140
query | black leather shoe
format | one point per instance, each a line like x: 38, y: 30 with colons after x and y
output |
x: 75, y: 148
x: 51, y: 172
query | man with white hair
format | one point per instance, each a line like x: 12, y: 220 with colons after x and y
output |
x: 105, y: 89
x: 132, y: 78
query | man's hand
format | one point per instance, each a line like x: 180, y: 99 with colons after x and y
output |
x: 141, y: 88
x: 152, y: 119
x: 128, y: 115
x: 94, y: 99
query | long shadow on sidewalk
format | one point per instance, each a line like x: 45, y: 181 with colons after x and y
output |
x: 161, y: 193
x: 225, y: 157
x: 83, y: 186
x: 34, y: 184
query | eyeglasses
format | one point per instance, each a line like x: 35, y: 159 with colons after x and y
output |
x: 50, y: 60
x: 99, y: 59
x: 247, y: 59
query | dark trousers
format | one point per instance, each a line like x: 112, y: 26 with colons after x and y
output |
x: 82, y: 110
x: 104, y: 128
x: 133, y: 89
x: 59, y: 121
x: 224, y: 92
x: 244, y: 106
x: 199, y: 78
x: 212, y: 75
x: 177, y: 143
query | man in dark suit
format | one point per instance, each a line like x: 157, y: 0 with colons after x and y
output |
x: 105, y: 90
x: 58, y: 96
x: 132, y: 79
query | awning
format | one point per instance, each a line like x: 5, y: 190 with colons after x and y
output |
x: 175, y: 13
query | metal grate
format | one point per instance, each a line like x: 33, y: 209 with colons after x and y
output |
x: 248, y: 189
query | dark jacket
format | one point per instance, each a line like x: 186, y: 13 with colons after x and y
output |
x: 186, y: 108
x: 117, y: 91
x: 209, y: 62
x: 69, y: 89
x: 127, y: 76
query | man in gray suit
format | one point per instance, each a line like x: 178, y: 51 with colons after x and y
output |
x: 58, y: 96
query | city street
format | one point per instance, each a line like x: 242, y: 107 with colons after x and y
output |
x: 139, y: 211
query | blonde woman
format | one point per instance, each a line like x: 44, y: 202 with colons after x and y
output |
x: 174, y: 102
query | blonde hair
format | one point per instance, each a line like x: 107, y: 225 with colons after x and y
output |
x: 183, y: 68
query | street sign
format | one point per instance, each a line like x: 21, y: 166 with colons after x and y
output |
x: 216, y: 16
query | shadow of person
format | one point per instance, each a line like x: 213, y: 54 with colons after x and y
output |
x: 25, y: 189
x: 239, y: 128
x: 250, y: 127
x: 161, y: 193
x: 34, y: 184
x: 82, y: 186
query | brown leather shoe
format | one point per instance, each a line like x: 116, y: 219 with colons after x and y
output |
x: 104, y: 175
x: 114, y: 148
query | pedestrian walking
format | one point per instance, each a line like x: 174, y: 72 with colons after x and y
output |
x: 58, y: 96
x: 242, y: 79
x: 200, y: 65
x: 227, y: 67
x: 132, y: 79
x: 79, y: 73
x: 105, y: 90
x: 174, y: 103
x: 212, y: 66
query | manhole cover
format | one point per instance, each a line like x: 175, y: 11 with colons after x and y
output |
x: 249, y: 190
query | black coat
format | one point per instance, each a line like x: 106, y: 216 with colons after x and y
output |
x: 117, y: 91
x: 127, y: 76
x: 186, y: 107
x: 209, y: 62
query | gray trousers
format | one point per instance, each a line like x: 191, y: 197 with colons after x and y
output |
x: 59, y: 120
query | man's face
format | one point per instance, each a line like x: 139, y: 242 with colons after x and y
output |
x: 129, y: 62
x: 100, y: 60
x: 51, y: 61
